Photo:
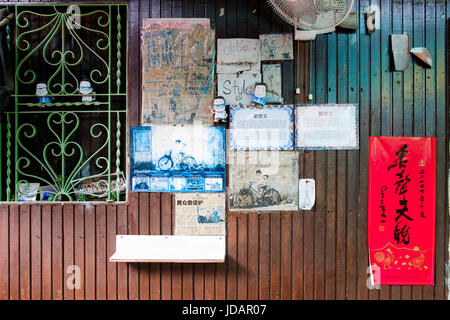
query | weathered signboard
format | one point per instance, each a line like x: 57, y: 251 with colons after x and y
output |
x: 200, y: 214
x: 277, y: 46
x: 271, y: 74
x: 328, y: 126
x: 177, y: 75
x: 261, y: 128
x: 238, y: 56
x: 237, y: 88
x: 263, y: 181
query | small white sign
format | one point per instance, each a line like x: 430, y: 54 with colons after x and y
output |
x: 306, y: 194
x: 238, y: 56
x: 237, y: 89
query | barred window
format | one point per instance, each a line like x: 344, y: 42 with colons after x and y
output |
x: 63, y: 132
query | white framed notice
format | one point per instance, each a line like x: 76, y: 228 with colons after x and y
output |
x: 327, y: 127
x: 261, y: 128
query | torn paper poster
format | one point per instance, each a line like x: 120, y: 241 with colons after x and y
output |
x: 200, y: 214
x: 263, y: 181
x: 177, y: 76
x: 177, y: 159
x: 271, y: 74
x: 402, y: 210
x: 238, y: 56
x: 174, y: 23
x: 237, y: 88
x: 327, y: 127
x: 277, y: 46
x: 262, y: 128
x: 306, y: 194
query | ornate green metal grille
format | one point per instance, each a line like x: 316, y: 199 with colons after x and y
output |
x: 72, y: 148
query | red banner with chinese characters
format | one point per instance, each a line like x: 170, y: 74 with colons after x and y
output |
x: 402, y: 210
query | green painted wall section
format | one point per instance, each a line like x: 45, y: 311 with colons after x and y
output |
x: 356, y: 67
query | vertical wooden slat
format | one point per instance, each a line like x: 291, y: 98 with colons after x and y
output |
x: 155, y: 229
x: 166, y: 229
x: 24, y: 249
x: 286, y: 256
x: 111, y: 267
x: 36, y: 261
x: 242, y: 257
x: 100, y: 252
x: 231, y: 258
x: 89, y: 255
x: 47, y: 252
x: 253, y: 253
x: 144, y: 229
x: 264, y: 256
x: 430, y: 98
x: 79, y: 248
x: 122, y: 268
x: 210, y: 273
x: 442, y: 214
x: 133, y: 228
x: 356, y: 249
x: 14, y: 293
x: 68, y: 243
x: 57, y: 254
x: 4, y: 254
x: 275, y: 256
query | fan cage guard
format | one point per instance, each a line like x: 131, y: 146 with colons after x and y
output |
x: 340, y: 8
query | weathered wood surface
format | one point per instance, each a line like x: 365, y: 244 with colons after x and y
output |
x: 319, y: 254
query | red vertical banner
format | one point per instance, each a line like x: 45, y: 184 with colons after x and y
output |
x: 402, y: 210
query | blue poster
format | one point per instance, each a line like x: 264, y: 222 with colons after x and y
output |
x: 177, y: 159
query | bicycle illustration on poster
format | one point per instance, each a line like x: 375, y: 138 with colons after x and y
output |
x: 184, y: 159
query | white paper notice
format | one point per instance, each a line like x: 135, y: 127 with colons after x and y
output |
x: 238, y: 55
x: 331, y: 126
x: 237, y: 88
x: 306, y: 194
x: 261, y: 128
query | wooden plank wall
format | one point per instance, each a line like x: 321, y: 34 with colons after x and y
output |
x: 355, y: 67
x: 320, y: 254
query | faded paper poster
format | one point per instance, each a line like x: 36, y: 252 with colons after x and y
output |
x: 177, y: 76
x: 263, y: 181
x: 200, y: 214
x: 277, y: 46
x: 238, y: 56
x: 272, y: 78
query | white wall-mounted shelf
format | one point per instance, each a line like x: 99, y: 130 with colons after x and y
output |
x: 180, y: 249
